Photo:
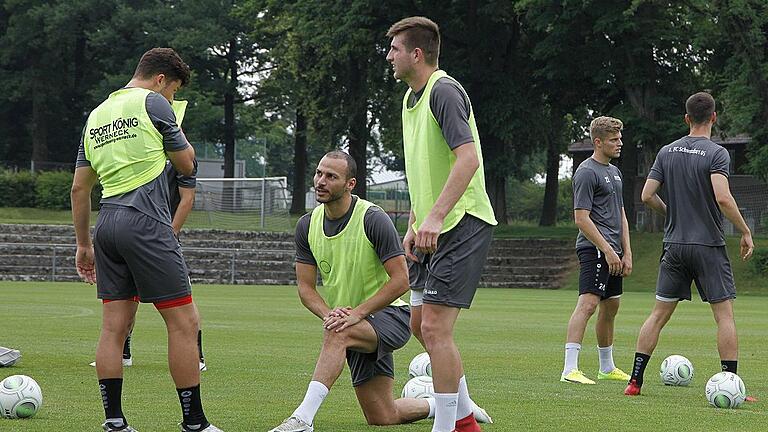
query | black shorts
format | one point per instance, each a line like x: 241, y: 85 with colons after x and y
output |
x: 450, y: 275
x: 708, y: 266
x: 594, y: 277
x: 137, y: 256
x: 392, y: 327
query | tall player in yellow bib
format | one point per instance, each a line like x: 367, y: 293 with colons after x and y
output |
x: 358, y: 253
x: 451, y: 219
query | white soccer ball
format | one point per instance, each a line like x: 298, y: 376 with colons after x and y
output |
x: 676, y: 370
x: 20, y: 397
x: 419, y: 387
x: 420, y: 366
x: 725, y: 390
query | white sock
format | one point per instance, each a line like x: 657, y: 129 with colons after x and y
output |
x: 431, y: 402
x: 464, y: 407
x: 606, y: 359
x: 571, y: 357
x: 445, y: 412
x: 316, y: 393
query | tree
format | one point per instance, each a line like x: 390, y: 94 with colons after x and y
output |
x: 740, y: 42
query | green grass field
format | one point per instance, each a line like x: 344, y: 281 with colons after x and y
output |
x: 261, y: 346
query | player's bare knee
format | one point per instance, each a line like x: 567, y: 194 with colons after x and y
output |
x: 337, y: 339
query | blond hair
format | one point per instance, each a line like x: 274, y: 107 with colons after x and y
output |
x: 419, y: 32
x: 603, y: 125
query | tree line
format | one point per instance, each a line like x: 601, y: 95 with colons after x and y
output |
x: 311, y: 75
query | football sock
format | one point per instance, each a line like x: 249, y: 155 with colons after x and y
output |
x: 445, y: 412
x: 316, y: 393
x: 431, y: 402
x: 464, y: 406
x: 638, y: 370
x: 606, y: 359
x: 192, y: 408
x: 571, y: 357
x: 111, y: 395
x: 127, y: 346
x: 200, y: 345
x: 729, y: 365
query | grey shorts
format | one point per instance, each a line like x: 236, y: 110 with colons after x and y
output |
x: 451, y: 274
x: 708, y: 266
x: 391, y: 325
x: 137, y: 256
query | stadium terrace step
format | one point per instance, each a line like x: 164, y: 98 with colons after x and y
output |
x: 46, y: 252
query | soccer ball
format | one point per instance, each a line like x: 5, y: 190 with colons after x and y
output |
x: 676, y: 370
x: 725, y: 390
x: 420, y: 366
x: 20, y: 397
x: 419, y: 387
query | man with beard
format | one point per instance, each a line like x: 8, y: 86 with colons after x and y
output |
x: 357, y: 250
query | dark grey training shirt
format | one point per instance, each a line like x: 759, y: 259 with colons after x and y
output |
x: 450, y: 106
x: 377, y: 225
x: 598, y: 188
x: 684, y: 169
x: 152, y: 199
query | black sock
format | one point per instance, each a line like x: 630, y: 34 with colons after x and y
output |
x: 729, y: 365
x: 200, y: 345
x: 127, y: 346
x: 638, y: 370
x: 192, y: 408
x: 111, y: 393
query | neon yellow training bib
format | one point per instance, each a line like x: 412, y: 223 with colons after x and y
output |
x: 429, y: 160
x: 124, y: 147
x: 351, y: 271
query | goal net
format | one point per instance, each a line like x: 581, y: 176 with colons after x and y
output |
x: 250, y: 204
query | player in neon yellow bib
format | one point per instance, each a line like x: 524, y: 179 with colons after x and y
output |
x: 451, y: 219
x: 125, y: 145
x: 356, y: 249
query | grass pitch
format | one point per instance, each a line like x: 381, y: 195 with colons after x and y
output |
x: 261, y: 346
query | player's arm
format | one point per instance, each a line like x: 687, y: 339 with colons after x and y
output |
x: 306, y: 277
x: 730, y: 209
x: 80, y: 195
x: 177, y: 148
x: 396, y: 286
x: 451, y: 108
x: 651, y: 198
x: 187, y: 200
x: 461, y: 174
x: 626, y: 260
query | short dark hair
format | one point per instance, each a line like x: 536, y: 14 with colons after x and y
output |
x: 351, y: 164
x: 700, y: 107
x: 420, y: 32
x: 163, y: 61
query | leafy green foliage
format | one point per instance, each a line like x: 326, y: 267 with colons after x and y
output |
x: 759, y: 263
x: 52, y: 190
x: 17, y: 189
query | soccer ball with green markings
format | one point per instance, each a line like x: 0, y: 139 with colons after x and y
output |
x: 676, y: 370
x: 725, y: 390
x: 20, y: 397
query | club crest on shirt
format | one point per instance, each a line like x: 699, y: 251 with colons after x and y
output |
x: 325, y: 266
x: 607, y: 179
x: 617, y: 178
